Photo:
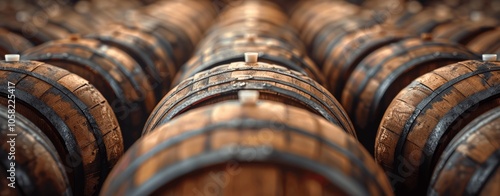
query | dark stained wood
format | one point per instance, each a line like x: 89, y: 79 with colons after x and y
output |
x: 113, y: 72
x: 381, y: 75
x: 469, y: 165
x: 275, y: 83
x: 38, y: 168
x: 427, y: 114
x: 234, y: 149
x: 72, y: 113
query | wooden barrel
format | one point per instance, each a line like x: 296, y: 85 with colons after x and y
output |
x: 381, y: 75
x: 327, y: 38
x: 181, y: 23
x: 262, y: 11
x: 469, y: 165
x: 488, y: 42
x: 461, y: 31
x: 181, y: 45
x: 255, y: 148
x: 113, y: 72
x: 152, y: 53
x: 277, y: 43
x: 72, y: 113
x: 416, y: 21
x: 274, y: 82
x: 32, y: 156
x: 36, y: 35
x: 427, y: 114
x: 192, y: 16
x: 343, y: 56
x: 11, y: 43
x: 270, y: 50
x: 72, y: 21
x: 311, y: 16
x: 427, y: 20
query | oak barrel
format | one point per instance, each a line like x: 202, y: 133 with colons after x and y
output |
x: 72, y: 113
x: 427, y: 114
x: 36, y: 167
x: 274, y: 82
x: 258, y: 31
x: 342, y: 58
x: 469, y: 165
x: 35, y: 34
x: 255, y: 148
x: 488, y: 42
x: 152, y: 53
x: 381, y: 75
x: 462, y: 31
x: 112, y: 71
x: 11, y: 43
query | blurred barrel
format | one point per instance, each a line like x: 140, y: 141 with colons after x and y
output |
x: 382, y: 74
x: 182, y: 22
x: 11, y: 43
x: 462, y: 31
x: 427, y: 114
x: 113, y: 72
x: 426, y: 20
x: 152, y: 53
x: 488, y: 42
x: 72, y: 113
x: 274, y: 82
x: 36, y: 165
x: 311, y: 16
x: 258, y: 148
x: 251, y: 26
x: 469, y: 165
x: 29, y: 30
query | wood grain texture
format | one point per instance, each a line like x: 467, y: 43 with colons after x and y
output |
x: 469, y: 165
x: 235, y: 149
x: 381, y: 75
x: 38, y: 168
x: 273, y: 82
x: 427, y: 114
x: 72, y: 113
x: 112, y: 71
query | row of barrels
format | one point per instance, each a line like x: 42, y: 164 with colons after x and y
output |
x: 249, y: 115
x: 287, y: 135
x: 404, y: 115
x: 85, y: 97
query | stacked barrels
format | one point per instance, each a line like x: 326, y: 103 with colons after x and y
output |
x: 131, y: 65
x: 83, y: 85
x: 368, y: 61
x: 249, y: 113
x: 261, y: 97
